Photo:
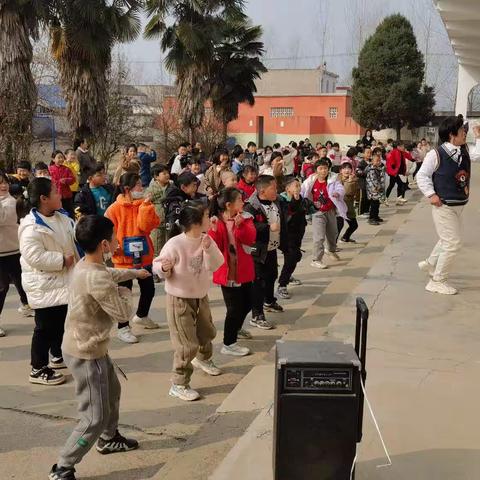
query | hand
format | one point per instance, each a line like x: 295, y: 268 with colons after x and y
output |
x: 476, y: 131
x: 275, y: 227
x: 142, y: 274
x: 206, y: 242
x: 296, y: 196
x: 167, y: 265
x: 209, y: 191
x: 238, y: 219
x: 68, y: 261
x: 435, y: 200
x: 213, y: 223
x: 147, y: 198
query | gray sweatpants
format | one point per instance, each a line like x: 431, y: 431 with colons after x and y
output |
x: 324, y: 226
x: 98, y: 393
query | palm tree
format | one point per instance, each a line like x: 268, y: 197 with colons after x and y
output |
x: 83, y: 33
x: 190, y: 42
x: 19, y: 21
x: 236, y: 66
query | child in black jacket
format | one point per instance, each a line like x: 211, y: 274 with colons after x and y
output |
x: 270, y: 223
x: 95, y: 196
x: 296, y: 208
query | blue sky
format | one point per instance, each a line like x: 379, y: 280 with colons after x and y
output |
x: 304, y: 33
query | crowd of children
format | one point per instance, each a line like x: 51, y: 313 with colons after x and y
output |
x: 184, y: 223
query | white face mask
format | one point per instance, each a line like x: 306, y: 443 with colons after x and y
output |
x: 136, y: 195
x: 107, y: 256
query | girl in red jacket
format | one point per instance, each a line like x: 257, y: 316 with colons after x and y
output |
x: 62, y: 177
x: 396, y: 167
x: 234, y: 233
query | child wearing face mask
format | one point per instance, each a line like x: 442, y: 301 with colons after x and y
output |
x: 134, y: 217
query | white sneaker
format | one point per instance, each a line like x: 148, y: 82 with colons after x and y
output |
x: 440, y: 287
x: 334, y: 256
x: 125, y: 335
x: 385, y: 203
x: 235, y: 350
x: 401, y: 200
x: 424, y: 266
x: 207, y: 366
x: 26, y: 311
x: 145, y: 322
x: 2, y: 332
x: 184, y: 393
x: 319, y: 264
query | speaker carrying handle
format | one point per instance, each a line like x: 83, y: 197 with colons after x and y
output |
x: 361, y: 350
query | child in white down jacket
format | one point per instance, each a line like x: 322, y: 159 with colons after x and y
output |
x: 48, y: 253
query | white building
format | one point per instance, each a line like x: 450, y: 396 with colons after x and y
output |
x: 462, y: 21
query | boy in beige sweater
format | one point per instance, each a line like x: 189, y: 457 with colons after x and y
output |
x: 95, y: 303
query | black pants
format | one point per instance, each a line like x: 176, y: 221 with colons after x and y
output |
x: 374, y: 209
x: 147, y: 292
x: 238, y: 301
x: 11, y: 272
x: 352, y: 226
x: 67, y: 204
x: 290, y: 261
x: 418, y: 166
x: 364, y: 202
x: 401, y: 187
x: 265, y: 275
x: 47, y: 334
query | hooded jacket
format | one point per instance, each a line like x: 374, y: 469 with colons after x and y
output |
x: 135, y: 218
x: 333, y: 186
x: 245, y: 235
x: 62, y: 178
x: 44, y: 276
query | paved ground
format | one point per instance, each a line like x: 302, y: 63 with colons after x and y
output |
x: 190, y: 440
x: 423, y: 362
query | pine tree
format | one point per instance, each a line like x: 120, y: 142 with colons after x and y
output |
x: 388, y: 89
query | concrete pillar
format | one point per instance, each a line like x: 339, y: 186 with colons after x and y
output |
x: 468, y: 77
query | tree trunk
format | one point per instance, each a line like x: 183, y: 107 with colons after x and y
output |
x: 225, y: 131
x: 398, y: 129
x: 18, y: 94
x: 191, y: 135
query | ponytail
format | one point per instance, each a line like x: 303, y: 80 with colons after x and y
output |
x: 37, y: 188
x: 219, y: 202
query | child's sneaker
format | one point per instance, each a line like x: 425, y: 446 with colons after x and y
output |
x: 46, y: 376
x: 56, y: 363
x: 401, y: 201
x: 273, y: 307
x: 261, y: 322
x: 385, y: 202
x: 116, y: 444
x: 348, y: 240
x: 125, y: 335
x: 373, y: 222
x: 145, y: 322
x: 245, y: 334
x: 61, y: 473
x: 282, y: 292
x: 184, y: 393
x: 2, y: 332
x: 319, y: 264
x: 207, y: 366
x: 26, y: 311
x: 235, y: 350
x: 295, y: 281
x: 334, y: 256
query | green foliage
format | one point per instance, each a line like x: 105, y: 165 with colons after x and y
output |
x: 213, y: 51
x: 388, y: 90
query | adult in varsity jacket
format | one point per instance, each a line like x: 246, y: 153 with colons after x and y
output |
x: 444, y: 179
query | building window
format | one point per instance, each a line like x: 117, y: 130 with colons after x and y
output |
x: 333, y: 112
x: 276, y: 112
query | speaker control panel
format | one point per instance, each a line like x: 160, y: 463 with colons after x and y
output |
x: 318, y: 379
